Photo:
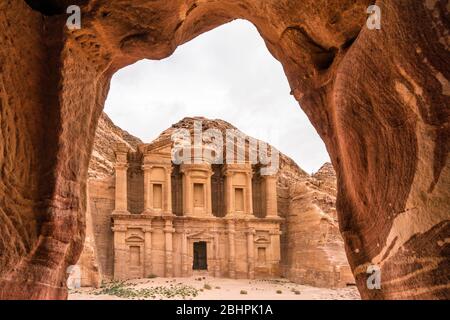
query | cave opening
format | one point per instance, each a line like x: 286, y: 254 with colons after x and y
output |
x: 385, y: 132
x: 224, y: 79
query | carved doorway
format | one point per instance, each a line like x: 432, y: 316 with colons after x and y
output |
x: 200, y: 256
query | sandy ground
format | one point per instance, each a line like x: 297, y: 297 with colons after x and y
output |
x: 208, y: 288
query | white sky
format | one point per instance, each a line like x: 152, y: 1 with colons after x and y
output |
x: 227, y: 74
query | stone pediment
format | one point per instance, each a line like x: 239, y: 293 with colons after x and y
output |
x: 262, y: 239
x: 134, y: 238
x: 158, y: 147
x: 204, y: 234
x: 164, y: 149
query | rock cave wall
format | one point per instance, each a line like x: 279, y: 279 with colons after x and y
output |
x: 378, y: 98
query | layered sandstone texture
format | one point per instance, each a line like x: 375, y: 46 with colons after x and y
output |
x: 96, y: 261
x: 313, y: 249
x: 379, y: 98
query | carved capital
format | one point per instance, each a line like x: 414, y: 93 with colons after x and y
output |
x: 147, y: 229
x: 147, y: 167
x: 121, y: 166
x: 119, y: 228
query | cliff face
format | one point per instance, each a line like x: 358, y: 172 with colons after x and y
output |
x: 96, y: 259
x: 312, y: 250
x: 107, y: 136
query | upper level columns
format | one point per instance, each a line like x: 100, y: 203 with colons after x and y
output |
x: 148, y: 194
x: 168, y: 189
x: 121, y: 166
x: 208, y: 194
x: 271, y: 196
x: 188, y: 207
x: 249, y: 204
x: 228, y: 192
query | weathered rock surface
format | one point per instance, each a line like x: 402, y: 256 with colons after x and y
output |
x: 96, y: 260
x: 378, y: 98
x: 107, y: 136
x: 314, y: 248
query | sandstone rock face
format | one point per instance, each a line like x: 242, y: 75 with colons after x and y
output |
x: 88, y: 262
x: 314, y: 248
x: 378, y: 98
x: 96, y: 260
x: 107, y: 136
x: 312, y: 253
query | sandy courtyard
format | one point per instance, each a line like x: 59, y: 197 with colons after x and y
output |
x: 208, y: 288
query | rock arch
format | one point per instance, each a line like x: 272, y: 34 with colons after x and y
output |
x: 378, y: 98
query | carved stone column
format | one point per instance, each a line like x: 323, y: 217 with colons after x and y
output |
x: 120, y: 252
x: 249, y: 193
x: 251, y: 253
x: 208, y: 195
x: 229, y: 193
x: 121, y: 166
x: 148, y: 261
x: 271, y: 196
x: 184, y: 255
x: 168, y: 263
x: 187, y: 193
x: 148, y: 197
x: 121, y: 200
x: 217, y: 254
x: 276, y: 250
x: 232, y: 249
x: 168, y: 205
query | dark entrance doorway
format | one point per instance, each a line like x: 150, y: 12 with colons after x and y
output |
x: 200, y: 258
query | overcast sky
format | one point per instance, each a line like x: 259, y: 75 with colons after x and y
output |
x: 227, y: 74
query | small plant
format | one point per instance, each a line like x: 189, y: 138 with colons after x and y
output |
x: 279, y: 292
x: 152, y: 276
x: 123, y: 290
x: 217, y: 287
x: 297, y: 292
x: 207, y: 287
x: 243, y: 292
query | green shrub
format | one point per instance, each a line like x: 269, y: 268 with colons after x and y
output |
x: 279, y: 292
x: 243, y: 292
x: 207, y: 287
x: 122, y: 290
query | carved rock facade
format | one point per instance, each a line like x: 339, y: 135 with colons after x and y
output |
x: 378, y: 98
x: 146, y: 223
